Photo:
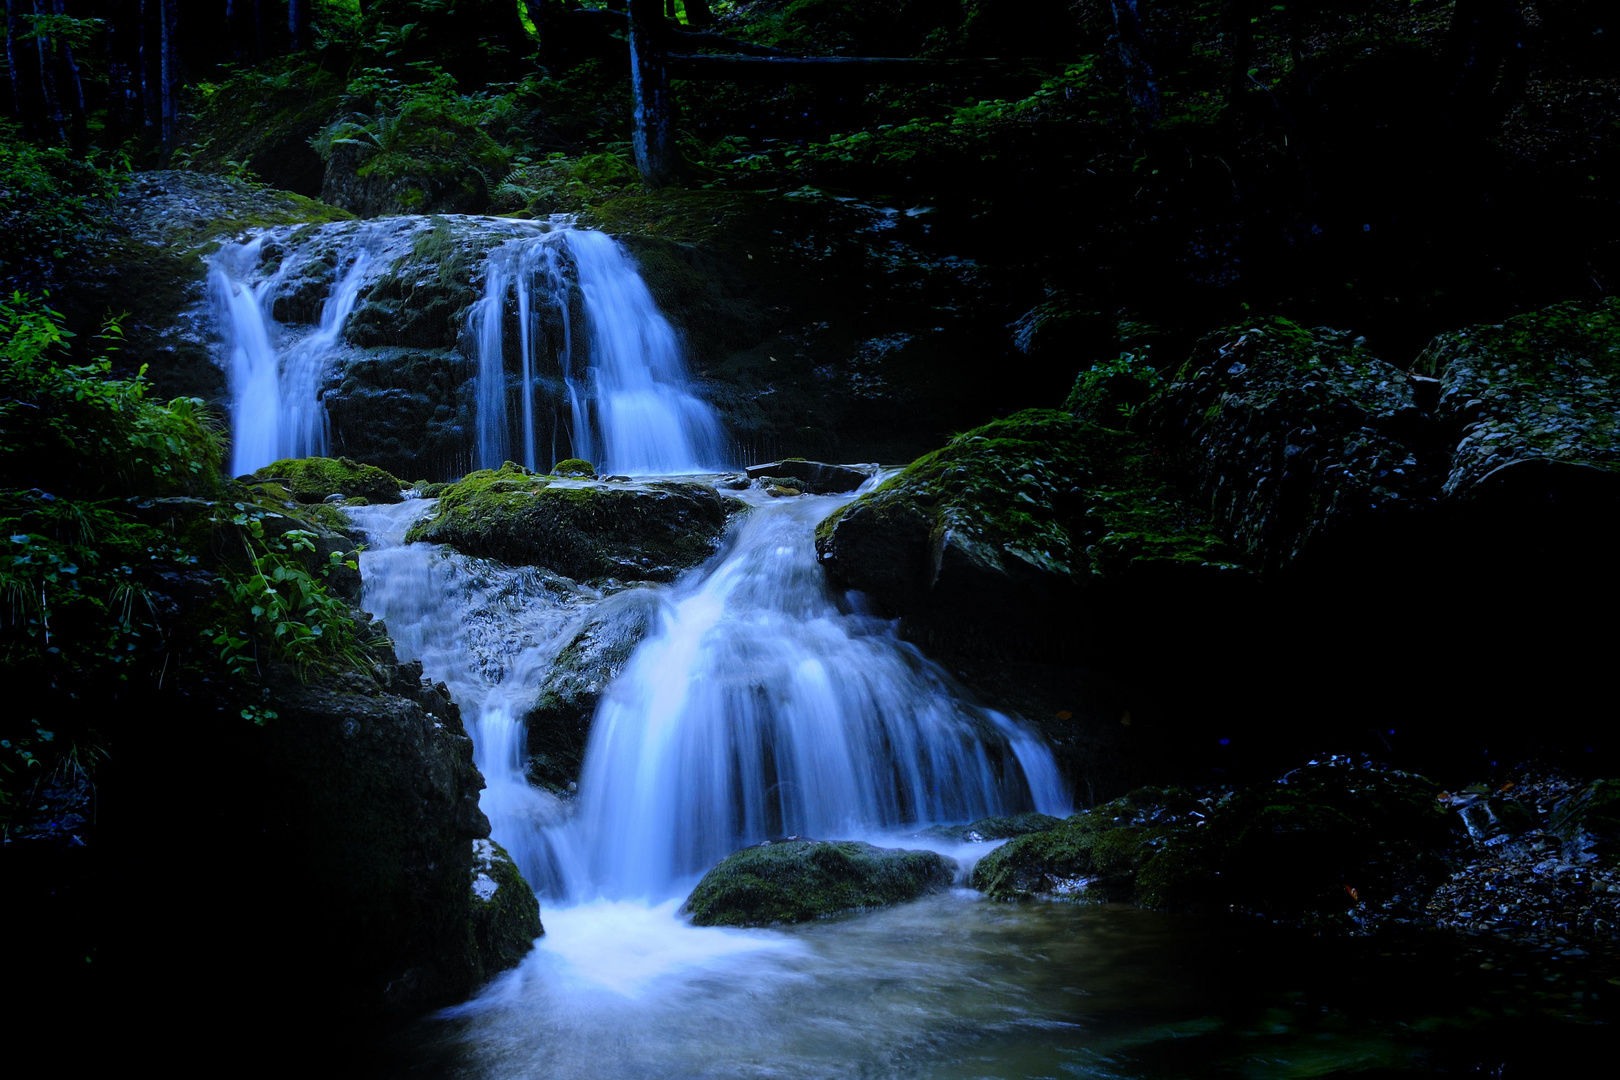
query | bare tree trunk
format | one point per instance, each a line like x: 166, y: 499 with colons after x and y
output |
x: 1240, y: 32
x: 169, y: 69
x: 298, y: 24
x: 653, y: 134
x: 19, y: 66
x: 55, y: 126
x: 123, y: 69
x: 1487, y: 51
x: 1141, y: 84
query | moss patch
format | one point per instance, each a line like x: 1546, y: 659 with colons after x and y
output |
x: 313, y: 480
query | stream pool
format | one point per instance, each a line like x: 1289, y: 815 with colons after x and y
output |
x: 956, y: 987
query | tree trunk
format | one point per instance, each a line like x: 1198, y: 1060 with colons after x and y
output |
x: 1240, y: 32
x: 653, y: 135
x: 298, y: 24
x: 169, y: 70
x: 54, y: 125
x: 891, y: 69
x: 1141, y: 84
x: 123, y: 69
x: 20, y: 66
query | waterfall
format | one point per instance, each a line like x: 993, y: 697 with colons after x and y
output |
x: 274, y: 375
x: 630, y: 406
x: 758, y: 706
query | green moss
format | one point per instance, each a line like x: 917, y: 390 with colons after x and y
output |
x: 312, y: 480
x: 580, y: 528
x: 788, y: 881
x: 574, y: 467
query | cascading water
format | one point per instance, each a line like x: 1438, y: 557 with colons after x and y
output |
x: 631, y: 407
x: 756, y: 707
x: 275, y: 376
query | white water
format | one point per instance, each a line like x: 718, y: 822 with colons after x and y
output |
x: 631, y: 408
x: 275, y: 375
x: 758, y: 706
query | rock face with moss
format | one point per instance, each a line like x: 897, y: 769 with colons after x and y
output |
x: 377, y: 794
x: 558, y: 726
x: 1534, y: 405
x: 1009, y: 524
x: 583, y: 529
x: 505, y: 916
x: 792, y: 880
x: 1338, y: 844
x: 1300, y: 440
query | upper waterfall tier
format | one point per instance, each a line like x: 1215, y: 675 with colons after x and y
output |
x: 431, y: 345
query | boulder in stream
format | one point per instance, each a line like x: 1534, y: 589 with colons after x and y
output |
x: 505, y: 917
x: 796, y: 878
x: 582, y: 529
x: 816, y: 477
x: 318, y: 479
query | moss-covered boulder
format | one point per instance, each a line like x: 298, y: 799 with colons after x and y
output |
x: 317, y: 479
x: 795, y: 879
x: 559, y: 724
x: 1339, y: 845
x: 1534, y: 404
x: 1091, y: 856
x: 1300, y: 441
x: 583, y: 529
x: 1008, y: 524
x: 505, y: 915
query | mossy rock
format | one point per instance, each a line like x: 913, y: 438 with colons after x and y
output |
x: 582, y: 529
x: 313, y: 480
x: 796, y: 879
x: 1008, y: 524
x: 1092, y: 856
x: 1300, y: 439
x: 1533, y: 404
x: 574, y: 467
x: 558, y: 726
x: 504, y: 918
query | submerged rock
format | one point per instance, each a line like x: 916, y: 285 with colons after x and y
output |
x: 505, y: 917
x: 582, y: 529
x: 795, y: 879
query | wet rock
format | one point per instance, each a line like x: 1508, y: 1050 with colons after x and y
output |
x: 1588, y: 823
x: 812, y: 476
x: 1302, y: 441
x: 558, y: 725
x: 582, y: 529
x: 1092, y: 856
x: 505, y: 916
x: 993, y: 828
x: 373, y: 774
x: 1534, y: 404
x: 1004, y: 529
x: 795, y: 879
